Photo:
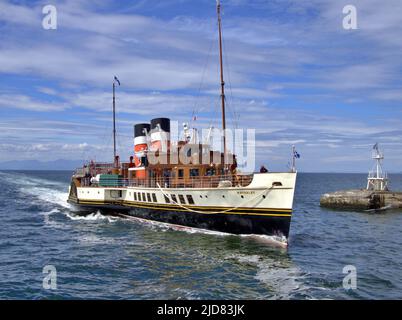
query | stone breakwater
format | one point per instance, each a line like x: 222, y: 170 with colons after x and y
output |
x: 362, y: 200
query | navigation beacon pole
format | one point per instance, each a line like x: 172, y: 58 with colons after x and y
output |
x: 218, y: 9
x: 377, y: 179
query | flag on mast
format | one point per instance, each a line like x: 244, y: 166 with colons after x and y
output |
x: 117, y: 80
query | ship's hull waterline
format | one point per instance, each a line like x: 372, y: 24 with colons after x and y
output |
x: 262, y: 208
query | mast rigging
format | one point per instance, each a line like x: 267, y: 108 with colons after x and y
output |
x: 218, y: 9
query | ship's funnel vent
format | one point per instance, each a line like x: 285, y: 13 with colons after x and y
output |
x: 160, y: 134
x: 141, y: 132
x: 142, y: 129
x: 161, y: 124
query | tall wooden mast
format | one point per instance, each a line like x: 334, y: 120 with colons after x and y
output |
x: 114, y: 122
x: 218, y: 8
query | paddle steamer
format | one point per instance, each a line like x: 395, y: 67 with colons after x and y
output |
x: 203, y: 189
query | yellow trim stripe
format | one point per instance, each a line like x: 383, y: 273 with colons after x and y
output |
x: 207, y: 208
x: 212, y: 207
x: 206, y: 212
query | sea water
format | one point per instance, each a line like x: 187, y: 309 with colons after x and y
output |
x: 103, y: 257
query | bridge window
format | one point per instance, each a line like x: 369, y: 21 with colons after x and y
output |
x: 181, y: 173
x: 143, y: 197
x: 154, y: 198
x: 148, y: 197
x: 174, y: 198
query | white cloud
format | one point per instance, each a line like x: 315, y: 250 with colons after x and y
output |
x: 281, y: 58
x: 18, y: 101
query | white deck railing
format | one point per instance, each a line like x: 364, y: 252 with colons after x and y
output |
x: 193, y: 182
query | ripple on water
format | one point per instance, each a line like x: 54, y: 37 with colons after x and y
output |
x: 98, y: 256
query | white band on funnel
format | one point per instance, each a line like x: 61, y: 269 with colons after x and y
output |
x: 140, y: 140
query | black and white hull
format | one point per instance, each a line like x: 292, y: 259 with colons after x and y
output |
x: 264, y: 207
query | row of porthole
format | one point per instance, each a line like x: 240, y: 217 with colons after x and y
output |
x: 223, y: 196
x: 182, y: 199
x: 167, y: 200
x: 82, y: 192
x: 151, y: 197
x: 243, y: 197
x: 144, y: 197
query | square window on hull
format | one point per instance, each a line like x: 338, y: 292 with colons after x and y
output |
x: 181, y: 198
x: 190, y: 199
x: 174, y: 198
x: 167, y: 200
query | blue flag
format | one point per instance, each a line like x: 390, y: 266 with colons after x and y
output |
x: 297, y: 155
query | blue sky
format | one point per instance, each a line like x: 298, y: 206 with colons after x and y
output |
x: 292, y: 73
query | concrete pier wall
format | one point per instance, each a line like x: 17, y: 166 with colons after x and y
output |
x: 361, y: 200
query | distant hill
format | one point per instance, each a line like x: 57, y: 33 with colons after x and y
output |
x: 41, y: 165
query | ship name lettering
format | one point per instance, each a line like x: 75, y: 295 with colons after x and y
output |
x: 245, y: 192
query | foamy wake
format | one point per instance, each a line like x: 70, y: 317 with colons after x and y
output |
x: 51, y: 192
x: 277, y: 241
x: 48, y: 195
x: 95, y: 216
x: 270, y: 240
x: 44, y: 190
